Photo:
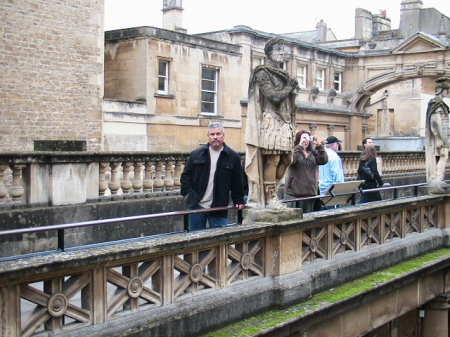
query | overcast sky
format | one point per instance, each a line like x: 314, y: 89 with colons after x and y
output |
x: 281, y: 16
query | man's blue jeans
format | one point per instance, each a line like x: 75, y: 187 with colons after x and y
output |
x: 197, y: 221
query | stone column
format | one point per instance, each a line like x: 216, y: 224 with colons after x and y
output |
x: 435, y: 322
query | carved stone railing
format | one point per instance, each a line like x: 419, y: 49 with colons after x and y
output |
x: 54, y: 178
x: 64, y: 178
x: 390, y: 164
x: 186, y: 274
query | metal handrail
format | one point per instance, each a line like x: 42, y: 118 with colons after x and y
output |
x: 61, y: 227
x: 353, y: 193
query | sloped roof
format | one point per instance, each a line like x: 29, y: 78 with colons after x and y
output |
x: 310, y: 36
x: 419, y: 42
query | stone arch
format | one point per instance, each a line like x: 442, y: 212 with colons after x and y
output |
x: 362, y: 96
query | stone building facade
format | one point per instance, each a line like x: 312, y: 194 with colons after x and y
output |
x: 156, y: 89
x: 51, y: 54
x: 331, y: 74
x: 176, y: 115
x: 398, y: 109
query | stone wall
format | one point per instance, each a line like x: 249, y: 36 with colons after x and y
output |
x: 121, y: 206
x: 47, y: 216
x: 51, y: 54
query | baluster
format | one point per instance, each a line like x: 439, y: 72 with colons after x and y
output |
x: 345, y: 165
x: 148, y: 181
x: 394, y: 164
x: 387, y: 164
x: 3, y: 189
x: 125, y: 183
x: 177, y: 175
x: 417, y: 161
x: 103, y: 185
x: 355, y: 165
x: 402, y: 164
x: 168, y: 180
x: 114, y: 183
x: 16, y: 190
x: 399, y: 165
x: 137, y: 181
x: 383, y: 165
x: 412, y: 163
x: 159, y: 183
x: 405, y: 166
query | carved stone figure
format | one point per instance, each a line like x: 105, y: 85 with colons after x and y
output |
x: 437, y: 133
x: 270, y: 128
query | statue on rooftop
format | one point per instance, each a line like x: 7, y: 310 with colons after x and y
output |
x: 437, y: 137
x: 270, y: 128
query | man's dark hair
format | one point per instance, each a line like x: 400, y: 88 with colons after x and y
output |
x: 365, y: 140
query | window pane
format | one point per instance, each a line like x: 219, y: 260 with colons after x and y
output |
x: 162, y: 68
x: 209, y: 74
x: 161, y: 84
x: 207, y: 107
x: 208, y: 96
x: 208, y: 85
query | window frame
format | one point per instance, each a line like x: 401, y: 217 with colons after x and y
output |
x: 214, y: 92
x: 320, y: 71
x: 302, y: 76
x: 165, y: 77
x: 337, y: 84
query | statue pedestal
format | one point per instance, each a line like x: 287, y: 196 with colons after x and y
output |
x: 266, y: 215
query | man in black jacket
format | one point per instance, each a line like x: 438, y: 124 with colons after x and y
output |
x: 212, y: 174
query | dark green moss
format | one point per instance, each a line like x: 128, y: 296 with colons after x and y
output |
x: 272, y: 318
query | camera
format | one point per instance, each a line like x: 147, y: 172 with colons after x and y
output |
x: 311, y: 138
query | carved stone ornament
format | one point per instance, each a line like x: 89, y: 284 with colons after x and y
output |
x: 196, y: 272
x: 314, y: 93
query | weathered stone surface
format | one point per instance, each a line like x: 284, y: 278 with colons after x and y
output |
x: 272, y: 216
x: 47, y: 216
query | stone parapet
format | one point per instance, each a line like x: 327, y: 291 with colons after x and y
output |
x: 65, y: 178
x: 155, y: 286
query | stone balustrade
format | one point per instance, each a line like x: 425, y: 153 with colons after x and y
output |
x: 65, y: 178
x: 160, y: 283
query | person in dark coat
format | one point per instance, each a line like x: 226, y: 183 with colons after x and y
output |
x: 303, y: 174
x: 372, y: 178
x: 213, y: 174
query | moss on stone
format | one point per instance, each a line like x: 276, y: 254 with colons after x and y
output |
x: 257, y: 324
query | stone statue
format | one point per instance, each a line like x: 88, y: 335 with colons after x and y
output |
x: 437, y: 133
x: 270, y: 128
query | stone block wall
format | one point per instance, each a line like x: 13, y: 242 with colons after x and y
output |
x: 51, y: 55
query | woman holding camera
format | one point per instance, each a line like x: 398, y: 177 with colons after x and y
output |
x: 302, y: 177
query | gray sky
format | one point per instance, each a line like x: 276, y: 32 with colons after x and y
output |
x: 281, y: 16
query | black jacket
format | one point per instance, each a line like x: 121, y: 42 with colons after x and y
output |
x: 369, y: 183
x: 227, y: 180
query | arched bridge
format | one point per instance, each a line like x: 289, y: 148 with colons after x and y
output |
x: 421, y: 55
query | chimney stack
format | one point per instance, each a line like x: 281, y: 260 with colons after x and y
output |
x: 363, y: 24
x: 410, y: 17
x: 381, y: 22
x: 172, y: 10
x: 321, y: 29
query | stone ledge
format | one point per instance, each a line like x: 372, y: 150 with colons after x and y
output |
x: 193, y: 316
